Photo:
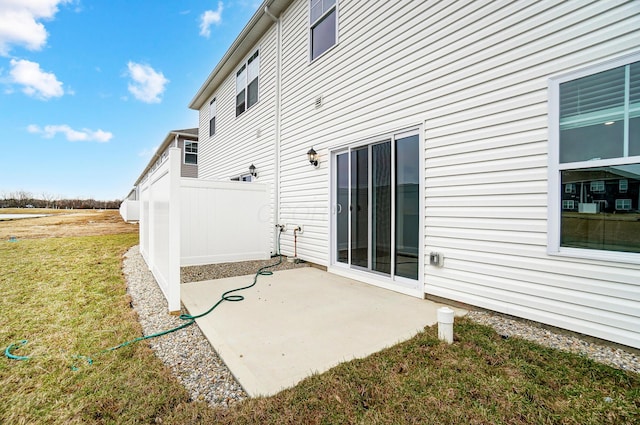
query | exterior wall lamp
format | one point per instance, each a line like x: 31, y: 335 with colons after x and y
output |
x: 313, y: 157
x: 252, y: 170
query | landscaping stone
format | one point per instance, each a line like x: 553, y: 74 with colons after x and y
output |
x: 198, y: 367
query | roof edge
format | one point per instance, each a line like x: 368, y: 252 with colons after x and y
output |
x: 235, y: 52
x: 170, y: 137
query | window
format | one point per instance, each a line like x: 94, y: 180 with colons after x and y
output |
x: 190, y: 152
x: 623, y: 204
x: 595, y: 147
x: 597, y: 187
x: 323, y: 26
x: 623, y: 185
x: 212, y: 117
x: 247, y: 84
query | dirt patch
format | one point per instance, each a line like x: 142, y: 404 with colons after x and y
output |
x: 71, y: 223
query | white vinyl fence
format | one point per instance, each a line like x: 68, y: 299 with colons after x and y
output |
x: 130, y: 210
x: 186, y: 221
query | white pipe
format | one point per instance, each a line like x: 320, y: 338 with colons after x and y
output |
x: 269, y: 14
x: 276, y: 174
x: 445, y: 324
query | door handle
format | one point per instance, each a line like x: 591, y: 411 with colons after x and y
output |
x: 339, y: 207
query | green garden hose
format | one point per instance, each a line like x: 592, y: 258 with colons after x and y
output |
x: 188, y: 318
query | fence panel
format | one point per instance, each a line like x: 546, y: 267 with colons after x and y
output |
x: 186, y: 221
x: 160, y: 226
x: 130, y: 210
x: 223, y: 221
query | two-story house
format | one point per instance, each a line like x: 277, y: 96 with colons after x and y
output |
x: 427, y: 147
x: 187, y: 141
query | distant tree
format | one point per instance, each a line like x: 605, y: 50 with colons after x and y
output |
x: 23, y: 197
x: 48, y: 199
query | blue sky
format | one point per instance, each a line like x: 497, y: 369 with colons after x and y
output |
x: 90, y: 88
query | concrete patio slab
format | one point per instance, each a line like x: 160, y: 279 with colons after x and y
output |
x: 301, y: 321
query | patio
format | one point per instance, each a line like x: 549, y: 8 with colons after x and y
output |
x: 301, y: 321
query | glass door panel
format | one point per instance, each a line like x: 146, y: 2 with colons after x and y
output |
x: 377, y: 208
x: 381, y: 208
x: 342, y: 207
x: 407, y: 206
x: 360, y: 207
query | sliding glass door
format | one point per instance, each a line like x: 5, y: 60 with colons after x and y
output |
x: 376, y: 207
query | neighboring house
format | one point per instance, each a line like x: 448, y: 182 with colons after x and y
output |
x: 482, y: 152
x: 187, y: 141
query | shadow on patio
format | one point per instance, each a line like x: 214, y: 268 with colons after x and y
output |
x: 297, y: 322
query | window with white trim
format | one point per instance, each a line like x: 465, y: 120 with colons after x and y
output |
x: 597, y: 186
x: 191, y: 152
x: 595, y: 147
x: 212, y: 117
x: 247, y: 78
x: 623, y: 204
x: 323, y: 26
x: 623, y: 185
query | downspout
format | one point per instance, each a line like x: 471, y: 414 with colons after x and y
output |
x: 276, y: 176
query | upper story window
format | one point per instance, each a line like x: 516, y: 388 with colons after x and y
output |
x: 323, y: 26
x: 212, y: 117
x: 595, y: 147
x: 190, y: 152
x: 247, y: 84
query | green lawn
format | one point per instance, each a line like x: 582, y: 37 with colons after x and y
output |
x: 67, y: 297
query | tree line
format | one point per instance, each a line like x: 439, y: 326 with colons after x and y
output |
x: 23, y: 199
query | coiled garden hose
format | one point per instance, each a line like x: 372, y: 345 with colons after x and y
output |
x: 188, y: 318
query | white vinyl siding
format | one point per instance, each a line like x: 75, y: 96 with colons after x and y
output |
x: 474, y: 75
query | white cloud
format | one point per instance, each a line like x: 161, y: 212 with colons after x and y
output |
x: 148, y: 84
x: 208, y: 18
x: 36, y: 82
x: 20, y: 23
x: 84, y: 135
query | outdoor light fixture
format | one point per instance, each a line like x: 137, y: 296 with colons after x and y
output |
x: 313, y: 157
x: 252, y: 170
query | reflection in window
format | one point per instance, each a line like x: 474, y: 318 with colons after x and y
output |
x: 381, y: 207
x: 606, y: 217
x: 247, y: 84
x: 599, y: 120
x: 407, y: 206
x: 323, y: 24
x: 212, y: 117
x: 360, y: 207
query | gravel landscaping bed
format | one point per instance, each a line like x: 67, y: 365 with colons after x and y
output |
x: 197, y: 366
x: 187, y: 352
x: 532, y: 331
